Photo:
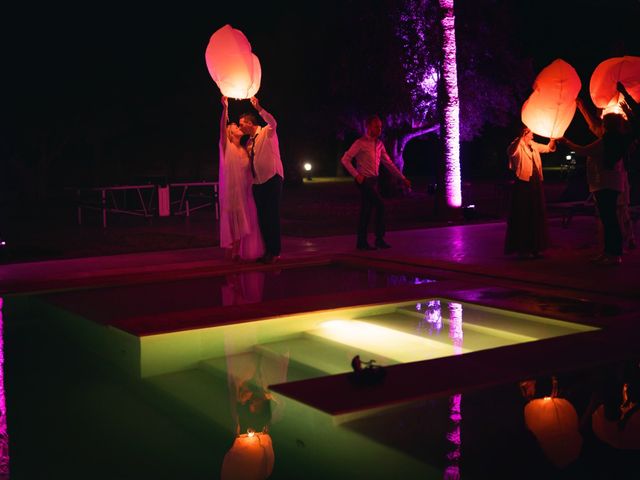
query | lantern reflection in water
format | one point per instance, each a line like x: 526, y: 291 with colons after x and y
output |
x: 619, y: 426
x: 251, y: 457
x: 554, y: 423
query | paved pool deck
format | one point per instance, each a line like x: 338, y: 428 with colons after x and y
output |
x: 474, y: 249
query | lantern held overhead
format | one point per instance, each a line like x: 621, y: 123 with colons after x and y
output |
x: 232, y: 65
x: 607, y: 74
x: 550, y: 108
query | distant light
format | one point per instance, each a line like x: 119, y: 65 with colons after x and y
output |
x: 568, y: 157
x: 307, y: 167
x: 2, y: 243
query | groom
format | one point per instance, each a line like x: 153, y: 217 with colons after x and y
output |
x: 267, y: 171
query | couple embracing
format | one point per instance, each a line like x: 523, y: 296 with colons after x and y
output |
x: 250, y: 178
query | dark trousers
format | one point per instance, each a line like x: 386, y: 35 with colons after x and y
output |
x: 607, y: 201
x: 370, y: 200
x: 267, y: 196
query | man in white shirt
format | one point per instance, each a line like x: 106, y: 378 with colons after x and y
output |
x: 368, y: 151
x: 268, y: 174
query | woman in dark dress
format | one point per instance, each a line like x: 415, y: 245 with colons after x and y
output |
x: 527, y: 232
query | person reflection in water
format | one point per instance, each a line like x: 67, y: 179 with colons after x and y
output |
x: 243, y: 288
x: 249, y: 375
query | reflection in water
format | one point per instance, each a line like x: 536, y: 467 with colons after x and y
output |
x: 393, y: 280
x: 250, y: 458
x: 554, y: 423
x: 455, y: 327
x: 4, y: 435
x: 454, y: 437
x: 243, y: 288
x: 253, y: 406
x: 616, y: 420
x: 432, y: 320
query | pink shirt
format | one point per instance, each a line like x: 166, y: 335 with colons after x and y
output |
x: 368, y: 152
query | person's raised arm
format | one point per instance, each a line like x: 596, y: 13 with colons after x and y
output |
x: 583, y: 150
x: 224, y: 118
x: 594, y: 123
x: 629, y: 100
x: 266, y: 116
x: 549, y: 147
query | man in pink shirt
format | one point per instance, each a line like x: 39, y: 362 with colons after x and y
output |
x: 368, y: 151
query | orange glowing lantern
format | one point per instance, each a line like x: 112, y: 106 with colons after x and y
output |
x: 607, y: 74
x: 554, y: 423
x: 550, y: 108
x: 251, y: 457
x: 231, y: 64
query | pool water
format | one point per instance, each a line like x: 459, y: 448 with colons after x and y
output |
x: 88, y: 400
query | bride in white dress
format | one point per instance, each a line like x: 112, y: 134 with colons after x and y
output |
x: 239, y: 231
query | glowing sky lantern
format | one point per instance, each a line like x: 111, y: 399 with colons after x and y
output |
x: 605, y: 77
x: 232, y: 65
x: 550, y: 108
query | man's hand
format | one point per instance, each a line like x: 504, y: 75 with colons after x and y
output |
x: 360, y: 179
x: 256, y: 104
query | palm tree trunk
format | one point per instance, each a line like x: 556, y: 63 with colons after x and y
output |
x: 451, y: 104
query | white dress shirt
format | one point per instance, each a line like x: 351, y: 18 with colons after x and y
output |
x: 368, y: 152
x: 266, y: 150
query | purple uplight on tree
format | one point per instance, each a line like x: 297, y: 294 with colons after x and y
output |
x: 451, y: 107
x: 4, y: 435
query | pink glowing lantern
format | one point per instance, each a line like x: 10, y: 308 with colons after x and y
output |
x: 251, y: 457
x: 550, y: 108
x: 232, y: 65
x: 554, y: 423
x: 602, y: 87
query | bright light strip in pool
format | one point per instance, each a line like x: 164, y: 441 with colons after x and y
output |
x: 392, y: 344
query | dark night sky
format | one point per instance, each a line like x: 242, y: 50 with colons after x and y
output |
x: 135, y: 62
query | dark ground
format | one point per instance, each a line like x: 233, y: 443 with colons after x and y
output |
x: 321, y: 207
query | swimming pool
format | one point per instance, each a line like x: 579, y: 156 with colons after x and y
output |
x: 177, y: 397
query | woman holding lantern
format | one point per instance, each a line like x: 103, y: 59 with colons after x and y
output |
x: 239, y: 232
x: 527, y: 232
x: 606, y: 175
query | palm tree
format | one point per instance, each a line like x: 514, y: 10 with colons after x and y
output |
x: 451, y: 120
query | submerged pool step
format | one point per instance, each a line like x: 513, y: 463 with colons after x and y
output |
x: 199, y: 397
x: 519, y: 327
x: 473, y: 337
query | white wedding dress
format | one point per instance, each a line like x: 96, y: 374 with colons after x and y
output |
x: 238, y: 216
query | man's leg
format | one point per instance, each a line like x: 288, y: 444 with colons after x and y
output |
x: 259, y: 198
x: 378, y: 207
x: 273, y: 195
x: 365, y: 213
